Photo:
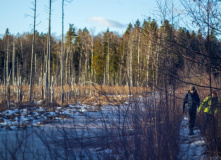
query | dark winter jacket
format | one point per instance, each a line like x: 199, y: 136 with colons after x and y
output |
x: 192, y: 101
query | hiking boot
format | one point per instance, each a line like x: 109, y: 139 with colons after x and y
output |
x: 191, y: 132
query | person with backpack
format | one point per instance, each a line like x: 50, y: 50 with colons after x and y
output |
x: 191, y: 98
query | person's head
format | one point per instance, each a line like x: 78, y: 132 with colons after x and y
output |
x: 214, y: 94
x: 192, y: 89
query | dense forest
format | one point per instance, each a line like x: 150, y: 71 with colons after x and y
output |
x: 144, y: 54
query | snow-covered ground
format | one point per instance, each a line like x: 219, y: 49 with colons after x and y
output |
x: 36, y: 116
x: 44, y: 130
x: 192, y: 147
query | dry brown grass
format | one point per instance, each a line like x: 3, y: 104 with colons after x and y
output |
x: 92, y: 95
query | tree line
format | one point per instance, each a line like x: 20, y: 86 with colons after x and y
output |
x: 138, y: 58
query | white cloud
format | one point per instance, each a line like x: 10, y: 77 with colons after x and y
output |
x: 106, y: 22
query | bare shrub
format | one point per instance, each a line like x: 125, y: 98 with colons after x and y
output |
x: 138, y: 130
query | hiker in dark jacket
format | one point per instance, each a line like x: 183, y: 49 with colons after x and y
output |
x: 192, y: 100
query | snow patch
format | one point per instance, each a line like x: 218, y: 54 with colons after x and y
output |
x: 191, y: 147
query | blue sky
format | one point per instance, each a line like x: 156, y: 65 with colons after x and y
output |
x: 96, y: 15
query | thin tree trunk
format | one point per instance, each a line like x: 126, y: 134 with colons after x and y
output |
x: 66, y: 67
x: 62, y: 54
x: 92, y: 61
x: 32, y: 54
x: 79, y: 69
x: 121, y: 66
x: 108, y: 61
x: 148, y: 63
x: 69, y: 75
x: 166, y: 89
x: 7, y: 61
x: 35, y: 65
x: 104, y: 76
x: 22, y: 66
x: 5, y: 73
x: 42, y: 74
x: 86, y: 67
x: 8, y: 78
x: 138, y: 61
x: 131, y: 69
x: 104, y: 80
x: 57, y: 60
x: 157, y: 65
x: 18, y: 74
x: 52, y: 90
x: 128, y: 69
x: 47, y: 79
x: 13, y: 64
x: 49, y: 59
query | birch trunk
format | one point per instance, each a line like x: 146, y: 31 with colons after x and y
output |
x: 104, y: 76
x: 131, y: 69
x: 42, y: 74
x: 13, y: 64
x: 128, y: 69
x: 4, y: 88
x: 138, y: 61
x: 62, y: 54
x: 47, y: 79
x: 70, y: 57
x: 7, y: 61
x: 7, y: 77
x: 18, y: 74
x: 92, y: 61
x: 66, y: 66
x: 148, y: 63
x: 35, y: 65
x: 32, y: 54
x: 121, y: 66
x: 85, y: 64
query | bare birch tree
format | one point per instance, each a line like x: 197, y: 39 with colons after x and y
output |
x: 13, y: 64
x: 47, y: 79
x: 62, y: 52
x: 62, y: 55
x: 32, y: 55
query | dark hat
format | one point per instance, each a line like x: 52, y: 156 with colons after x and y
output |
x: 192, y: 88
x: 215, y: 93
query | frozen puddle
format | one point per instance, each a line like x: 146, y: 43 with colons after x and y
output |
x: 191, y: 147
